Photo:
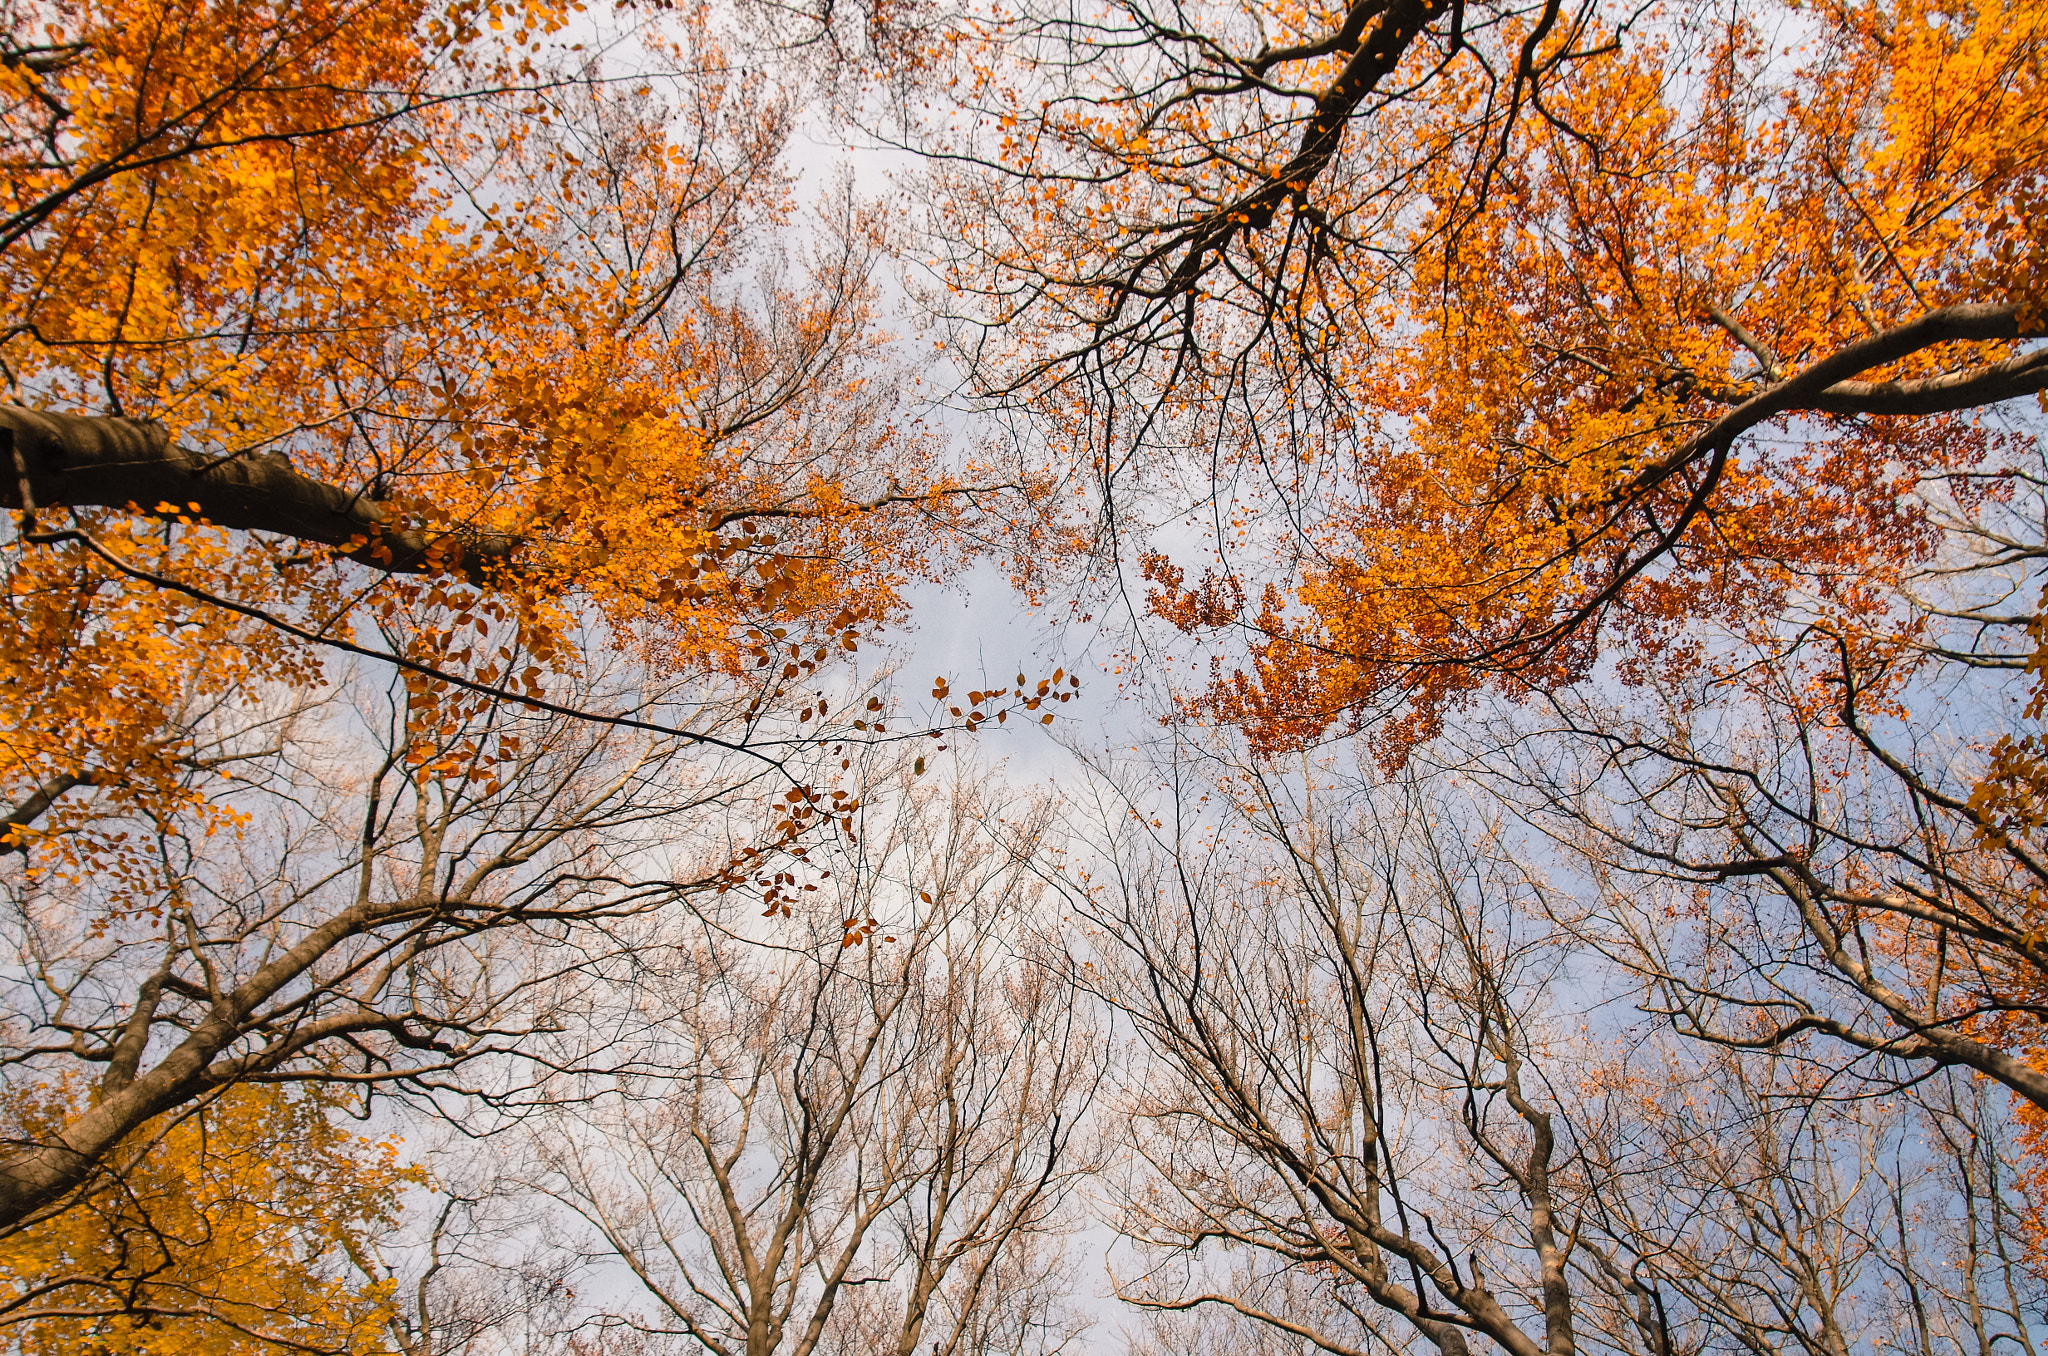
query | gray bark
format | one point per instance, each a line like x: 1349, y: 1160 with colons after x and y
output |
x: 36, y: 1177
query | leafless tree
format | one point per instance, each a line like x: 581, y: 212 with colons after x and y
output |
x: 845, y: 1145
x: 1380, y: 1101
x: 1341, y: 1086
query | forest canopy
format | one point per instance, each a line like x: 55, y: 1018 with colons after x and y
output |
x: 1539, y: 508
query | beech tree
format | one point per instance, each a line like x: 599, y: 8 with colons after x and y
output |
x: 1477, y: 331
x: 1339, y: 1054
x: 425, y: 336
x: 1379, y: 1102
x: 510, y: 308
x: 383, y: 910
x: 834, y: 1148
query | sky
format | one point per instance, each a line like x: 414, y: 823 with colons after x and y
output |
x: 977, y: 630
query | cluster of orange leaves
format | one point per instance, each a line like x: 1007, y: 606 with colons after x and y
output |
x: 1556, y: 343
x: 1465, y: 365
x: 248, y: 1224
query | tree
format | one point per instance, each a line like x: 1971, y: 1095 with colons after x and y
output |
x: 508, y: 335
x: 408, y: 338
x: 396, y: 905
x: 838, y: 1148
x: 505, y: 346
x: 249, y: 1222
x: 1884, y: 1221
x: 1381, y: 1103
x: 483, y: 1278
x: 1342, y: 1091
x: 1475, y: 330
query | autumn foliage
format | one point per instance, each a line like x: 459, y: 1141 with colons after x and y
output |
x: 467, y: 332
x: 459, y: 464
x: 249, y: 1224
x: 1523, y: 332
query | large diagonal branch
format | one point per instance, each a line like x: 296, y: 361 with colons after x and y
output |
x: 244, y: 1031
x: 2023, y: 374
x: 33, y: 1177
x: 1829, y: 385
x: 104, y: 461
x: 1378, y: 50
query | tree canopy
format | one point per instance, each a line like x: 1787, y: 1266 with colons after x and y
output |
x: 1558, y: 485
x: 1496, y: 336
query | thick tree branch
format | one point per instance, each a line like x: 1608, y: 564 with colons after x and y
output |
x: 33, y: 1178
x: 2023, y: 374
x: 1827, y: 385
x: 33, y: 806
x: 88, y: 461
x: 1377, y: 51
